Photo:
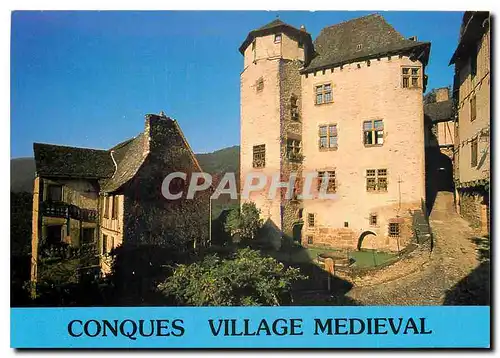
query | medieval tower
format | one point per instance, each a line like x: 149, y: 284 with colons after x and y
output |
x: 349, y: 108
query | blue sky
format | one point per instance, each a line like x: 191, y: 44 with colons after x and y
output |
x: 88, y: 78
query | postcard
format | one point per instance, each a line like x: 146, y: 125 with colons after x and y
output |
x: 250, y: 179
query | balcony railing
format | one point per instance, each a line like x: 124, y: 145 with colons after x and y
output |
x: 64, y: 210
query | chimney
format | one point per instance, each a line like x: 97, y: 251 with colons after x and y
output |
x: 442, y: 94
x: 156, y: 129
x: 413, y: 38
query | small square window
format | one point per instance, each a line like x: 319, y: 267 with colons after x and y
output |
x: 373, y: 219
x: 277, y: 38
x: 310, y: 240
x: 410, y: 77
x: 346, y: 224
x: 376, y: 180
x: 394, y: 229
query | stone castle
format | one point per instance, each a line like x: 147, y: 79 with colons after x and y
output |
x: 348, y: 106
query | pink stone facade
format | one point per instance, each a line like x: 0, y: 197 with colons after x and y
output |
x: 362, y: 91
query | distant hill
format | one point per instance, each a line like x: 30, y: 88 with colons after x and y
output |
x: 22, y: 173
x: 22, y: 170
x: 221, y: 161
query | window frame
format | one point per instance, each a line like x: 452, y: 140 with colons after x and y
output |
x: 310, y: 240
x: 410, y: 77
x: 373, y: 220
x: 278, y: 38
x: 257, y: 150
x: 474, y: 152
x: 373, y: 133
x: 378, y: 174
x: 311, y: 218
x: 48, y: 196
x: 291, y: 150
x: 328, y: 136
x: 394, y: 229
x: 331, y: 187
x: 323, y: 93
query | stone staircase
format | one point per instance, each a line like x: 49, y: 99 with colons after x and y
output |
x: 421, y: 227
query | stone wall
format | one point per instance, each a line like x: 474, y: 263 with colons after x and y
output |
x: 260, y: 113
x: 366, y: 91
x: 468, y: 129
x: 150, y: 218
x: 291, y: 128
x: 474, y: 208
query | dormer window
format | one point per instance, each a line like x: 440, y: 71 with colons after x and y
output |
x: 277, y: 38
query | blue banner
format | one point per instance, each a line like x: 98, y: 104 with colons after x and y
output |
x: 252, y: 327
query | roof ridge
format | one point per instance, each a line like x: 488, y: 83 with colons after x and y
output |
x: 376, y: 14
x: 69, y: 146
x: 124, y: 143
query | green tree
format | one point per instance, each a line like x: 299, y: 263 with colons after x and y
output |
x: 245, y: 279
x: 245, y: 222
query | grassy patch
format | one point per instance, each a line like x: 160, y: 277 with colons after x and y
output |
x: 371, y: 258
x: 365, y: 258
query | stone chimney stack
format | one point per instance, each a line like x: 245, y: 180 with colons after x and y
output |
x: 157, y: 128
x: 442, y: 94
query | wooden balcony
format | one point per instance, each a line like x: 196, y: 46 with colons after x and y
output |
x: 64, y: 210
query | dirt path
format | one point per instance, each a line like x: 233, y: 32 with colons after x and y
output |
x: 426, y: 279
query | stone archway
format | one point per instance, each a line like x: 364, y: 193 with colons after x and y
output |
x: 362, y: 237
x: 297, y: 231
